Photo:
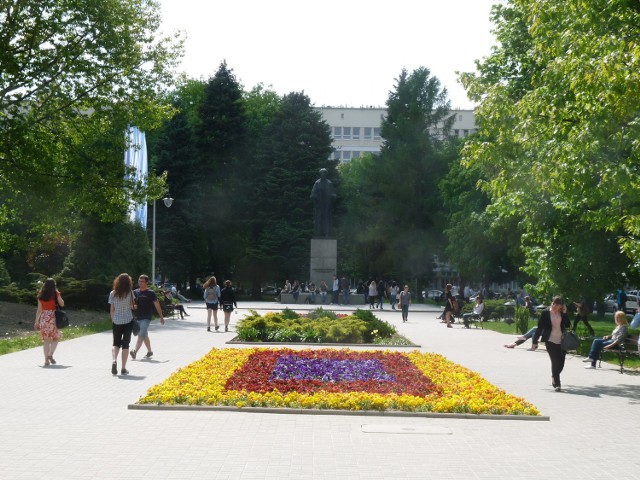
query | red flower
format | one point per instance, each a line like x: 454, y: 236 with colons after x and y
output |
x: 254, y: 375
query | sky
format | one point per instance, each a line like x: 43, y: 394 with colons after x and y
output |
x: 345, y: 53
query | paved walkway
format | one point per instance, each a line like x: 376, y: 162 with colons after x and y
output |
x: 71, y: 421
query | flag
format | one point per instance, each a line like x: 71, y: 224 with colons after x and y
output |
x: 136, y: 157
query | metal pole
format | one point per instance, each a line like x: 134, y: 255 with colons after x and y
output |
x: 153, y: 247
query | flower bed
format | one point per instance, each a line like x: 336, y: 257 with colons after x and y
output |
x: 334, y: 379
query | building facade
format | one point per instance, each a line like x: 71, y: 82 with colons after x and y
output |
x: 356, y: 131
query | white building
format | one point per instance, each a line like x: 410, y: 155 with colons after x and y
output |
x: 356, y: 131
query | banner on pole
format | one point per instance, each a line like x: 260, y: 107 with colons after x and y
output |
x: 136, y: 156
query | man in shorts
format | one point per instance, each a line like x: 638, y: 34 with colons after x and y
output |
x: 146, y: 301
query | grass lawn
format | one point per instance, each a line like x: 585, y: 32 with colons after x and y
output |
x: 601, y: 325
x: 10, y: 345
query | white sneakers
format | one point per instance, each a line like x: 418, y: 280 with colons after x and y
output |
x: 589, y: 366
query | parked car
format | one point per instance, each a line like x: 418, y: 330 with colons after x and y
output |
x: 631, y: 304
x: 270, y: 290
x: 433, y: 294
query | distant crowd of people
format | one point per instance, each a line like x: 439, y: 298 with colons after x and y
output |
x: 375, y: 293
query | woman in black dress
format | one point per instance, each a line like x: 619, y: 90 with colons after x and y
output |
x: 227, y: 302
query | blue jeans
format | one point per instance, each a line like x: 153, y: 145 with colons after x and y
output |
x: 596, y: 347
x: 144, y: 327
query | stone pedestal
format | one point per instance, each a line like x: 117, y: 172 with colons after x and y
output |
x: 323, y: 261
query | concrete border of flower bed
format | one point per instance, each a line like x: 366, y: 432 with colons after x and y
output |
x: 311, y: 411
x: 233, y: 341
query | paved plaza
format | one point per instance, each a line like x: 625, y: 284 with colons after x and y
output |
x: 71, y: 420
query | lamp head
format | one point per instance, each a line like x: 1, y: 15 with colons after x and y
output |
x: 168, y: 201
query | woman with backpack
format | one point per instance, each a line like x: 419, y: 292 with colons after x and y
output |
x: 212, y: 298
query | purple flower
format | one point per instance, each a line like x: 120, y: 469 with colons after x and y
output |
x: 289, y: 367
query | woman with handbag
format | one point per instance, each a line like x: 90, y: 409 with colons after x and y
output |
x: 227, y: 302
x: 450, y: 305
x: 48, y: 298
x: 552, y: 324
x: 121, y: 307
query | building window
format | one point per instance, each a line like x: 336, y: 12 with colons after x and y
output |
x: 367, y: 133
x: 346, y: 155
x: 456, y: 133
x: 376, y: 133
x: 346, y: 133
x: 466, y: 133
x: 356, y: 133
x: 355, y: 154
x: 460, y: 117
x: 337, y: 132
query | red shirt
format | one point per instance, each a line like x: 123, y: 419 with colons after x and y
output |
x: 51, y: 303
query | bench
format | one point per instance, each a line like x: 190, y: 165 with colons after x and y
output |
x: 476, y: 320
x: 628, y: 348
x: 304, y: 298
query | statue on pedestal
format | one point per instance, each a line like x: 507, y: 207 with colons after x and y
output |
x: 323, y: 196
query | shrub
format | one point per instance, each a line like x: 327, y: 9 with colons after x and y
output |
x: 522, y: 317
x: 319, y: 326
x: 15, y: 294
x: 84, y: 294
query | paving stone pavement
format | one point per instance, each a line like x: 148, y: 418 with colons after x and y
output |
x: 71, y: 421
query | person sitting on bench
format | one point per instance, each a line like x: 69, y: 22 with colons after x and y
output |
x: 608, y: 342
x: 520, y: 340
x: 168, y: 301
x: 477, y: 311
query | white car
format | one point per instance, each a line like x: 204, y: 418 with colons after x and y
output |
x: 630, y: 306
x: 433, y: 294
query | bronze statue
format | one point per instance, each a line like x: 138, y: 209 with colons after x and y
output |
x: 322, y: 195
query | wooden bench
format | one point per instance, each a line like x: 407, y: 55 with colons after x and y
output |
x: 628, y: 348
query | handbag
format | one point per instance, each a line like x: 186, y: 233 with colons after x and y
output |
x: 570, y: 341
x: 62, y: 320
x: 136, y: 326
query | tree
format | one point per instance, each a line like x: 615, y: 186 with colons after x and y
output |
x: 480, y: 247
x: 73, y: 76
x: 392, y: 207
x: 103, y: 250
x: 295, y: 145
x: 221, y: 148
x: 559, y: 128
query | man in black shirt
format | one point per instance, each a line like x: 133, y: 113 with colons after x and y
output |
x: 146, y: 300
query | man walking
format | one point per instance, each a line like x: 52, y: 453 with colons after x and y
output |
x: 146, y: 301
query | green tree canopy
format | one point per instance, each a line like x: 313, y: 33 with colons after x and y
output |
x: 73, y: 76
x: 393, y: 217
x: 558, y: 135
x: 295, y: 144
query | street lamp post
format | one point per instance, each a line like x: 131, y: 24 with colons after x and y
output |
x: 167, y: 203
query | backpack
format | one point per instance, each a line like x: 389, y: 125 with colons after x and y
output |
x: 212, y: 295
